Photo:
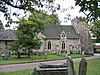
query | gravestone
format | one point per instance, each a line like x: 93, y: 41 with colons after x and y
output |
x: 70, y: 66
x: 61, y: 69
x: 52, y: 69
x: 82, y: 67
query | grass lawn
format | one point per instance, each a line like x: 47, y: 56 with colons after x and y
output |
x: 97, y: 50
x: 93, y: 68
x: 78, y: 55
x: 24, y: 72
x: 14, y: 59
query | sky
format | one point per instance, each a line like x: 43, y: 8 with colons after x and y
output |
x: 61, y: 14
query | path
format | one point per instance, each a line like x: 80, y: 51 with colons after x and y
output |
x: 18, y: 67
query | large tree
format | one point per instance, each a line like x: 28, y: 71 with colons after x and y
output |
x: 29, y: 28
x: 27, y: 33
x: 91, y: 8
x: 47, y: 19
x: 7, y: 6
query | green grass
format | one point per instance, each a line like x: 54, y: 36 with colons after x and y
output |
x: 93, y: 67
x: 78, y: 55
x: 14, y: 59
x: 98, y: 50
x: 24, y: 72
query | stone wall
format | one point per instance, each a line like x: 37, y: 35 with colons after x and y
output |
x: 5, y: 44
x: 56, y: 45
x: 2, y: 43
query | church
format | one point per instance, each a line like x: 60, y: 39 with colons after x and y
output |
x: 57, y: 38
x: 60, y: 38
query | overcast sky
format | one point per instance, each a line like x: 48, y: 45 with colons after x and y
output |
x: 64, y: 4
x: 73, y: 12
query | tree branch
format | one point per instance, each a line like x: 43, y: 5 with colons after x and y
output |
x: 8, y: 3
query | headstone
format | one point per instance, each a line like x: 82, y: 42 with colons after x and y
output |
x: 82, y: 67
x: 70, y: 67
x: 52, y: 69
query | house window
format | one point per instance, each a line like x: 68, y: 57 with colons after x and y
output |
x: 49, y: 45
x: 63, y: 45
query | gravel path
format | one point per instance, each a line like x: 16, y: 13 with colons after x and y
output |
x: 18, y: 67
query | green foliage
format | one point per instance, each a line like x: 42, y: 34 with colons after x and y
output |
x: 47, y: 19
x: 26, y: 5
x: 27, y: 33
x: 96, y: 31
x: 28, y: 30
x: 14, y: 45
x: 0, y: 48
x: 92, y: 6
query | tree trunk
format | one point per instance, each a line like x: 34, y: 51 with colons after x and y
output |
x: 18, y: 54
x: 29, y: 56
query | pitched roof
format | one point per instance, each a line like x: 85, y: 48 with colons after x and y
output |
x: 7, y: 35
x: 54, y: 31
x: 51, y: 31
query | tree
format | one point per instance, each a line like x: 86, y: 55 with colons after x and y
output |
x: 27, y: 33
x: 15, y: 47
x: 29, y: 28
x: 26, y: 5
x: 92, y: 6
x: 47, y: 19
x: 96, y: 31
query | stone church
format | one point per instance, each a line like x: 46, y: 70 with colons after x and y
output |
x: 59, y: 38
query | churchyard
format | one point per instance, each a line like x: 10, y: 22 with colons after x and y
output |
x: 93, y: 67
x: 34, y: 58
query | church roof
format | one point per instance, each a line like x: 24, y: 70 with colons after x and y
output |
x: 51, y: 31
x: 7, y: 35
x: 54, y: 31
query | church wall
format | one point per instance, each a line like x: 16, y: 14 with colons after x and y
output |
x: 73, y: 45
x: 54, y: 45
x: 2, y: 43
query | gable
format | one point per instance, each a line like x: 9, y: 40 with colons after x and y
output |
x: 54, y: 31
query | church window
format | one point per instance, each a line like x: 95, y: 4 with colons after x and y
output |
x: 49, y: 45
x: 63, y: 35
x: 63, y: 45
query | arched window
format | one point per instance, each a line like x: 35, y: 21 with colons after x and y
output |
x: 49, y: 45
x: 63, y: 45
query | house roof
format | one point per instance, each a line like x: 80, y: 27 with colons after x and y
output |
x: 54, y: 31
x: 7, y: 35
